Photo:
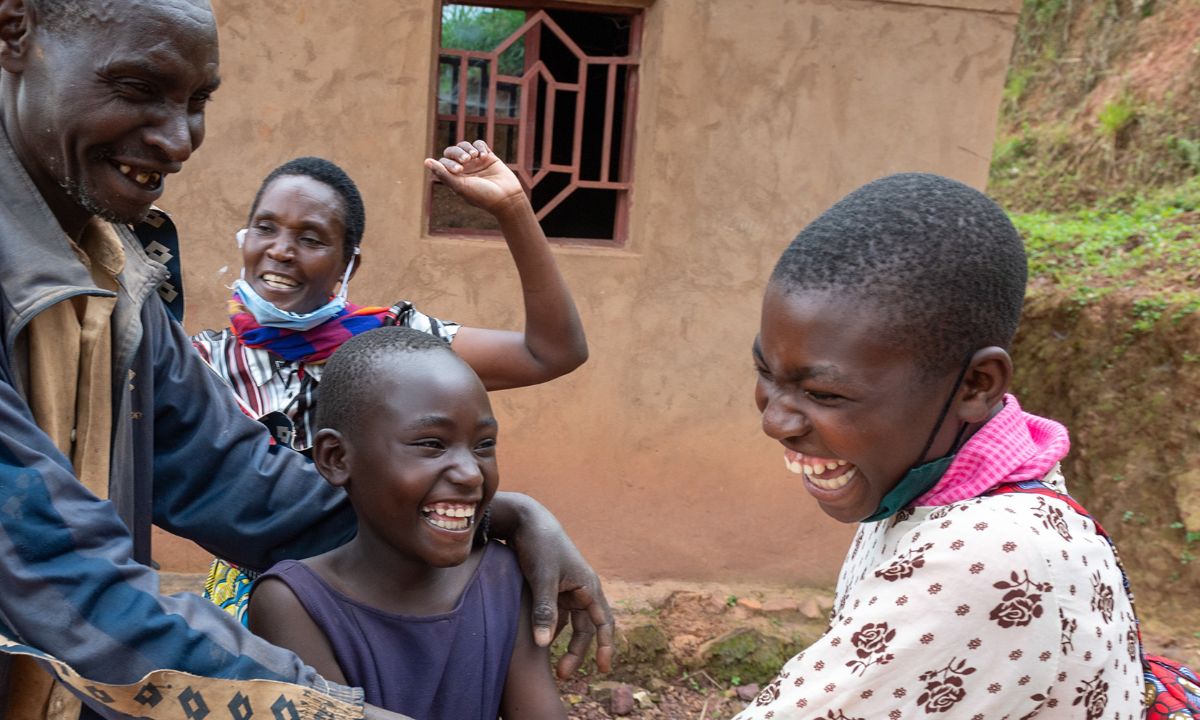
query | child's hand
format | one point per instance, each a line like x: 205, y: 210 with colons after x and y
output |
x: 477, y: 175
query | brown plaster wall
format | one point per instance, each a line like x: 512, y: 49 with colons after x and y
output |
x: 753, y: 116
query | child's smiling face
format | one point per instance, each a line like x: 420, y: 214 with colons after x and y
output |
x: 422, y: 464
x: 852, y: 410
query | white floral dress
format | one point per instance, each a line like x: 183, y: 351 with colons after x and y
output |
x: 1004, y: 606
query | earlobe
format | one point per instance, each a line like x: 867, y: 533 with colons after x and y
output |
x: 988, y: 378
x: 14, y: 34
x: 331, y: 455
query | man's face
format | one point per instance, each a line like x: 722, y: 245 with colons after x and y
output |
x: 851, y: 410
x: 108, y: 107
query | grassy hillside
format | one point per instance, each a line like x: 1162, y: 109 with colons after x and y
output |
x: 1098, y: 159
x: 1101, y: 105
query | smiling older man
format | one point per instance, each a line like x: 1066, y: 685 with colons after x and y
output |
x: 109, y: 421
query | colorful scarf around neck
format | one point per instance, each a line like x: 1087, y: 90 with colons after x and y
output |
x: 314, y: 345
x: 1011, y: 447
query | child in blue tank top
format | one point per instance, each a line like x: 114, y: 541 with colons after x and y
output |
x: 428, y: 621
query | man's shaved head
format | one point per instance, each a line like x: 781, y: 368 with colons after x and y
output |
x: 69, y: 15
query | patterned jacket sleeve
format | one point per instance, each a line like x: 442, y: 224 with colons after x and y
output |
x: 963, y: 622
x: 218, y: 480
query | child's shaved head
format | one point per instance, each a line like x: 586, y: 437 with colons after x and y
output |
x: 350, y: 377
x: 939, y: 261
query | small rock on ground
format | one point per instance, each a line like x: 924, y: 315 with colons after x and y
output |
x: 622, y: 700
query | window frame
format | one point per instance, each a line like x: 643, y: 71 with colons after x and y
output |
x: 622, y: 184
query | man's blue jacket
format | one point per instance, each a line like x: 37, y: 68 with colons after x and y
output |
x: 74, y: 581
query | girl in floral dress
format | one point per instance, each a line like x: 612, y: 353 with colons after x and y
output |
x: 883, y: 371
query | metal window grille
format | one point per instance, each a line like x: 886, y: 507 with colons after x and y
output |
x: 556, y: 100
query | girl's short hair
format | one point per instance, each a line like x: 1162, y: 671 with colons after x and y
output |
x: 939, y: 260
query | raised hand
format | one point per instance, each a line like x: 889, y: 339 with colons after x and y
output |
x: 477, y: 175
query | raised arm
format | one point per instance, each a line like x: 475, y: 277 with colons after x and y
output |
x: 553, y: 342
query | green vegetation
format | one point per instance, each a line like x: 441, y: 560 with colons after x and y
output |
x: 1150, y: 247
x: 468, y: 27
x: 1116, y: 116
x: 1098, y: 158
x: 1186, y: 150
x: 1070, y: 137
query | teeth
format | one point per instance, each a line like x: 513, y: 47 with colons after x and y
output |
x: 449, y: 517
x: 833, y: 483
x: 460, y: 524
x: 278, y: 280
x: 141, y: 177
x: 454, y: 511
x: 812, y: 467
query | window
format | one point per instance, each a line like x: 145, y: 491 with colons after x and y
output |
x: 552, y: 88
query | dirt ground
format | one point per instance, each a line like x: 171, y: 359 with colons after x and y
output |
x: 664, y: 682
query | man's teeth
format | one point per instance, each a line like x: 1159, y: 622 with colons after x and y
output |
x: 141, y: 177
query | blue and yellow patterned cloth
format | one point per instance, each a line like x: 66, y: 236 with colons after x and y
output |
x: 228, y: 587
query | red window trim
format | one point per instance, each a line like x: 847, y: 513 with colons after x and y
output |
x: 527, y: 153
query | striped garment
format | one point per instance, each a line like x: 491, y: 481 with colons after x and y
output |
x: 265, y: 383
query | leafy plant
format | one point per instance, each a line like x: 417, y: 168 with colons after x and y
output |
x: 469, y: 27
x: 1014, y: 87
x: 1117, y: 115
x: 1146, y: 313
x: 1186, y: 150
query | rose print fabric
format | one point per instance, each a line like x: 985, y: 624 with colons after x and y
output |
x: 1005, y: 606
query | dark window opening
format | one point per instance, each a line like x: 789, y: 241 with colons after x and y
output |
x: 552, y: 90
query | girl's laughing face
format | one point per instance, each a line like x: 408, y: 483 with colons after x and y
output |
x: 851, y: 408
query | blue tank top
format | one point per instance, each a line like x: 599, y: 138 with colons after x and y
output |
x: 450, y: 666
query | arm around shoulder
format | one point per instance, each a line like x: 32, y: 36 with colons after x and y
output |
x: 64, y: 553
x: 213, y: 463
